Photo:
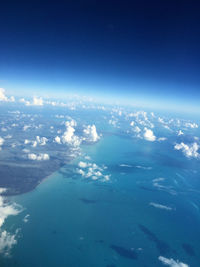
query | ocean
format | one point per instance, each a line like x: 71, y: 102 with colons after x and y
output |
x: 143, y: 212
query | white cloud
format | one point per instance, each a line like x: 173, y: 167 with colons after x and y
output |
x: 37, y: 101
x: 71, y: 123
x: 3, y: 97
x: 26, y: 218
x: 41, y: 156
x: 26, y: 102
x: 41, y: 140
x: 1, y: 141
x: 180, y: 133
x: 7, y: 240
x: 162, y: 139
x: 160, y: 120
x: 26, y: 141
x: 188, y: 150
x: 191, y: 125
x: 83, y: 164
x: 92, y: 171
x: 159, y: 206
x: 158, y: 179
x: 171, y: 262
x: 34, y: 144
x: 91, y: 133
x: 26, y: 127
x: 57, y: 139
x: 149, y: 135
x: 136, y: 129
x: 68, y: 135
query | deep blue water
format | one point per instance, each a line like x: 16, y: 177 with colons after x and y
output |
x: 79, y: 222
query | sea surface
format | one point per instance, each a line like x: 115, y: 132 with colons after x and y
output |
x: 149, y: 207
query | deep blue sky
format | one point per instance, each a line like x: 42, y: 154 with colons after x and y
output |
x: 145, y: 50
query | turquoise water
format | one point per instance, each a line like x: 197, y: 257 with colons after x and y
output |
x: 78, y: 222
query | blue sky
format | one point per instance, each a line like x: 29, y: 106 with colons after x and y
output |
x: 139, y: 51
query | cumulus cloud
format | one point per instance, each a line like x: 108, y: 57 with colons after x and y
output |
x: 149, y: 135
x: 39, y: 157
x: 136, y: 129
x: 1, y: 141
x: 83, y: 164
x: 68, y: 136
x: 26, y: 127
x: 92, y: 170
x: 36, y: 101
x: 191, y: 125
x: 162, y: 139
x: 26, y: 218
x: 41, y: 140
x: 180, y: 133
x: 91, y: 133
x: 3, y: 97
x: 57, y: 139
x: 7, y: 240
x: 188, y: 150
x: 171, y: 262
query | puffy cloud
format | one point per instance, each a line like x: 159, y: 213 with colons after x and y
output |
x: 3, y: 97
x: 188, y: 150
x: 160, y: 120
x: 26, y: 102
x: 171, y: 262
x: 162, y: 139
x: 93, y: 171
x: 7, y: 210
x: 68, y: 136
x: 71, y: 123
x: 57, y: 139
x: 149, y: 135
x: 26, y: 141
x: 26, y: 218
x: 26, y: 127
x: 159, y: 206
x: 83, y: 164
x: 113, y: 122
x: 136, y: 129
x: 41, y: 140
x: 91, y: 133
x: 41, y: 156
x: 34, y: 144
x: 191, y: 125
x: 180, y: 133
x: 37, y: 101
x: 1, y: 141
x: 7, y: 240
